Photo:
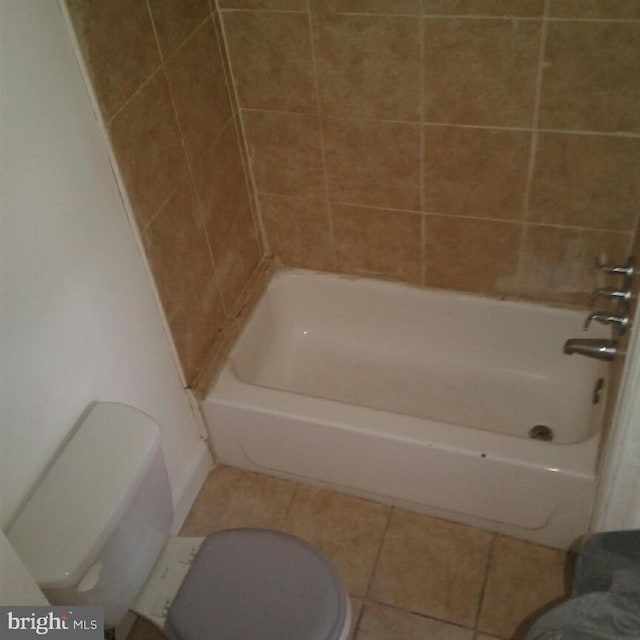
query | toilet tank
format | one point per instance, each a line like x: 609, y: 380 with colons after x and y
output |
x: 92, y: 530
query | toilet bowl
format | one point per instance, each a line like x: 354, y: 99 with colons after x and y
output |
x: 95, y: 532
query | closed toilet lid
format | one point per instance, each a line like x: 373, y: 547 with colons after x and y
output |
x: 258, y: 584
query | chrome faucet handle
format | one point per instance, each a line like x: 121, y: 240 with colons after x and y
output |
x: 624, y: 295
x: 619, y: 269
x: 607, y: 318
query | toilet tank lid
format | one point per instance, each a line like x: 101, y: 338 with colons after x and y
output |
x: 84, y: 494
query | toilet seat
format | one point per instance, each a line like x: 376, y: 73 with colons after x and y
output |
x: 259, y: 584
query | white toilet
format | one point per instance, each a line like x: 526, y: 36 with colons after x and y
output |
x: 95, y: 532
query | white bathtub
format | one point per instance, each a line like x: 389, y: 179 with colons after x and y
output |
x: 420, y: 399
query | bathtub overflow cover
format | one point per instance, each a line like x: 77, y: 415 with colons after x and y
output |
x: 541, y: 432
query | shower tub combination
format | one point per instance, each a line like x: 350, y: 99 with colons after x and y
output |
x: 417, y: 398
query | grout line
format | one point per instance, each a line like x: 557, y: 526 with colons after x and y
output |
x: 418, y: 614
x: 162, y: 61
x: 239, y: 10
x: 486, y: 580
x: 323, y: 154
x: 369, y: 14
x: 252, y: 192
x: 264, y: 240
x: 421, y: 164
x: 130, y: 99
x: 155, y: 32
x: 522, y: 243
x: 442, y: 16
x: 156, y: 214
x: 582, y: 132
x: 374, y: 566
x: 529, y: 18
x: 424, y: 214
x: 533, y: 151
x: 291, y: 501
x: 355, y: 626
x: 606, y: 20
x: 490, y: 127
x: 184, y: 42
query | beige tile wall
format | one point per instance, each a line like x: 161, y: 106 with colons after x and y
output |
x: 162, y: 82
x: 476, y: 145
x: 488, y: 146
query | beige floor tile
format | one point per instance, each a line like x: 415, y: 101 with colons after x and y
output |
x: 383, y: 623
x: 522, y: 579
x: 433, y: 567
x: 237, y: 498
x: 144, y: 630
x: 348, y: 530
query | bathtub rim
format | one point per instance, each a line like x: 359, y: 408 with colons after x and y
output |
x: 575, y: 459
x: 287, y: 280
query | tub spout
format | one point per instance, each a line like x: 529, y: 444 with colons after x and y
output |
x: 592, y: 348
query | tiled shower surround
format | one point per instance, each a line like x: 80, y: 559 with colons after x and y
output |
x: 487, y: 146
x: 159, y: 74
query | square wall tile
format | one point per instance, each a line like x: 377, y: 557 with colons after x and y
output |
x: 590, y: 78
x: 175, y: 20
x: 432, y: 567
x: 286, y: 153
x: 349, y: 530
x: 176, y: 247
x: 147, y: 144
x: 480, y: 71
x: 475, y: 172
x: 515, y: 8
x: 383, y: 623
x: 368, y: 66
x: 236, y: 255
x: 468, y: 254
x: 232, y: 498
x: 271, y: 60
x: 199, y: 89
x: 373, y: 163
x: 377, y: 243
x: 221, y: 182
x: 586, y: 181
x: 298, y: 231
x: 523, y: 578
x: 119, y: 45
x: 621, y: 9
x: 558, y: 264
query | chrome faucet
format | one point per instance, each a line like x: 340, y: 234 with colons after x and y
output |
x: 626, y: 270
x: 623, y: 295
x: 592, y: 348
x: 599, y: 348
x: 607, y: 318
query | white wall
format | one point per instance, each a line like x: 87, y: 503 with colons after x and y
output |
x: 79, y: 319
x: 618, y: 504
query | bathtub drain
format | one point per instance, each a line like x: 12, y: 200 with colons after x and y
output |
x: 541, y: 432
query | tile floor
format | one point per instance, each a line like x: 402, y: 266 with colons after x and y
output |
x: 410, y: 577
